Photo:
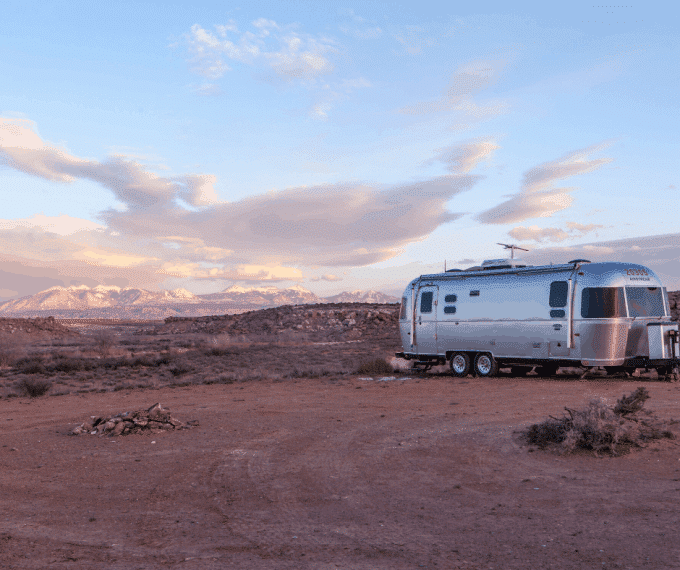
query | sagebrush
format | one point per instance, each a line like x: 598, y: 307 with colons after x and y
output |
x: 601, y: 428
x: 32, y: 387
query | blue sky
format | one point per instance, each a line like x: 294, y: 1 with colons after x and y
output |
x: 336, y: 146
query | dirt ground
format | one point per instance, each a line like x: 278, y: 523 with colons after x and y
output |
x: 334, y: 472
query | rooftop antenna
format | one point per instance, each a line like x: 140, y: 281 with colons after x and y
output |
x: 512, y: 248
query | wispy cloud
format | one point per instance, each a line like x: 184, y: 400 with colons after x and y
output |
x: 536, y: 233
x: 464, y: 157
x: 22, y: 149
x: 458, y: 102
x: 326, y: 277
x: 467, y: 81
x: 360, y: 28
x: 291, y: 55
x: 538, y: 197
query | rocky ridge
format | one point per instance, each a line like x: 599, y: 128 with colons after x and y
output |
x: 47, y: 326
x: 346, y: 320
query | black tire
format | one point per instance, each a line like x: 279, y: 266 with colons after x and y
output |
x: 547, y: 370
x: 667, y: 372
x: 520, y: 370
x: 460, y: 364
x: 486, y: 366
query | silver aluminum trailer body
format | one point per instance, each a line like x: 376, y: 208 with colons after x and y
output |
x: 609, y: 314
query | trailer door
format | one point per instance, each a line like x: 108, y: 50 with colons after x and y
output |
x: 426, y: 320
x: 558, y: 334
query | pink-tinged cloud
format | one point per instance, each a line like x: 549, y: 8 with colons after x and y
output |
x: 328, y: 225
x: 536, y: 233
x: 23, y: 150
x: 464, y: 157
x: 538, y: 197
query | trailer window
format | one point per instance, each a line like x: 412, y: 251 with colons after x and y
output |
x: 558, y: 293
x: 645, y: 302
x: 450, y: 299
x: 450, y: 309
x: 426, y: 302
x: 602, y: 303
x: 402, y: 310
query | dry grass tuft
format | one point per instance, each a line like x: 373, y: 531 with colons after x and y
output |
x: 600, y: 428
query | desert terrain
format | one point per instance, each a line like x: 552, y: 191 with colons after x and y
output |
x: 303, y: 452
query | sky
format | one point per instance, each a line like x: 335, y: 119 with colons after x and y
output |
x: 336, y: 145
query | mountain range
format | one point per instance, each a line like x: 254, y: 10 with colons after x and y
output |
x: 111, y: 302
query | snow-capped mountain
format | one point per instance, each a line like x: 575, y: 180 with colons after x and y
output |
x: 82, y: 297
x: 359, y: 296
x: 117, y: 302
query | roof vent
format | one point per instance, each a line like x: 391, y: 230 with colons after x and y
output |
x: 502, y: 263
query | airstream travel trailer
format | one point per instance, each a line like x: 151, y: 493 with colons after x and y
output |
x: 505, y: 314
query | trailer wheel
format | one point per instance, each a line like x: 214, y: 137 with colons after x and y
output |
x: 460, y: 364
x: 485, y: 365
x: 668, y: 372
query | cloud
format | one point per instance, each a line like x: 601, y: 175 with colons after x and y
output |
x: 22, y: 149
x: 661, y: 253
x: 328, y: 225
x: 538, y: 197
x: 63, y: 225
x: 292, y: 56
x: 464, y: 157
x: 536, y: 233
x: 178, y: 225
x: 208, y: 89
x: 467, y: 81
x: 326, y: 277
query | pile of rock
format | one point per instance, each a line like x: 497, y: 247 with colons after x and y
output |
x: 154, y: 420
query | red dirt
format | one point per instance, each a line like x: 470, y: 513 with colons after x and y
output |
x: 334, y: 473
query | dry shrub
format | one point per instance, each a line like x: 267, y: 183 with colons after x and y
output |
x: 32, y: 387
x: 600, y: 428
x: 33, y: 364
x: 180, y: 369
x: 377, y: 366
x: 12, y: 348
x: 103, y: 341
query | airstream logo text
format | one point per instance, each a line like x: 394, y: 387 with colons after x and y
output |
x: 636, y: 272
